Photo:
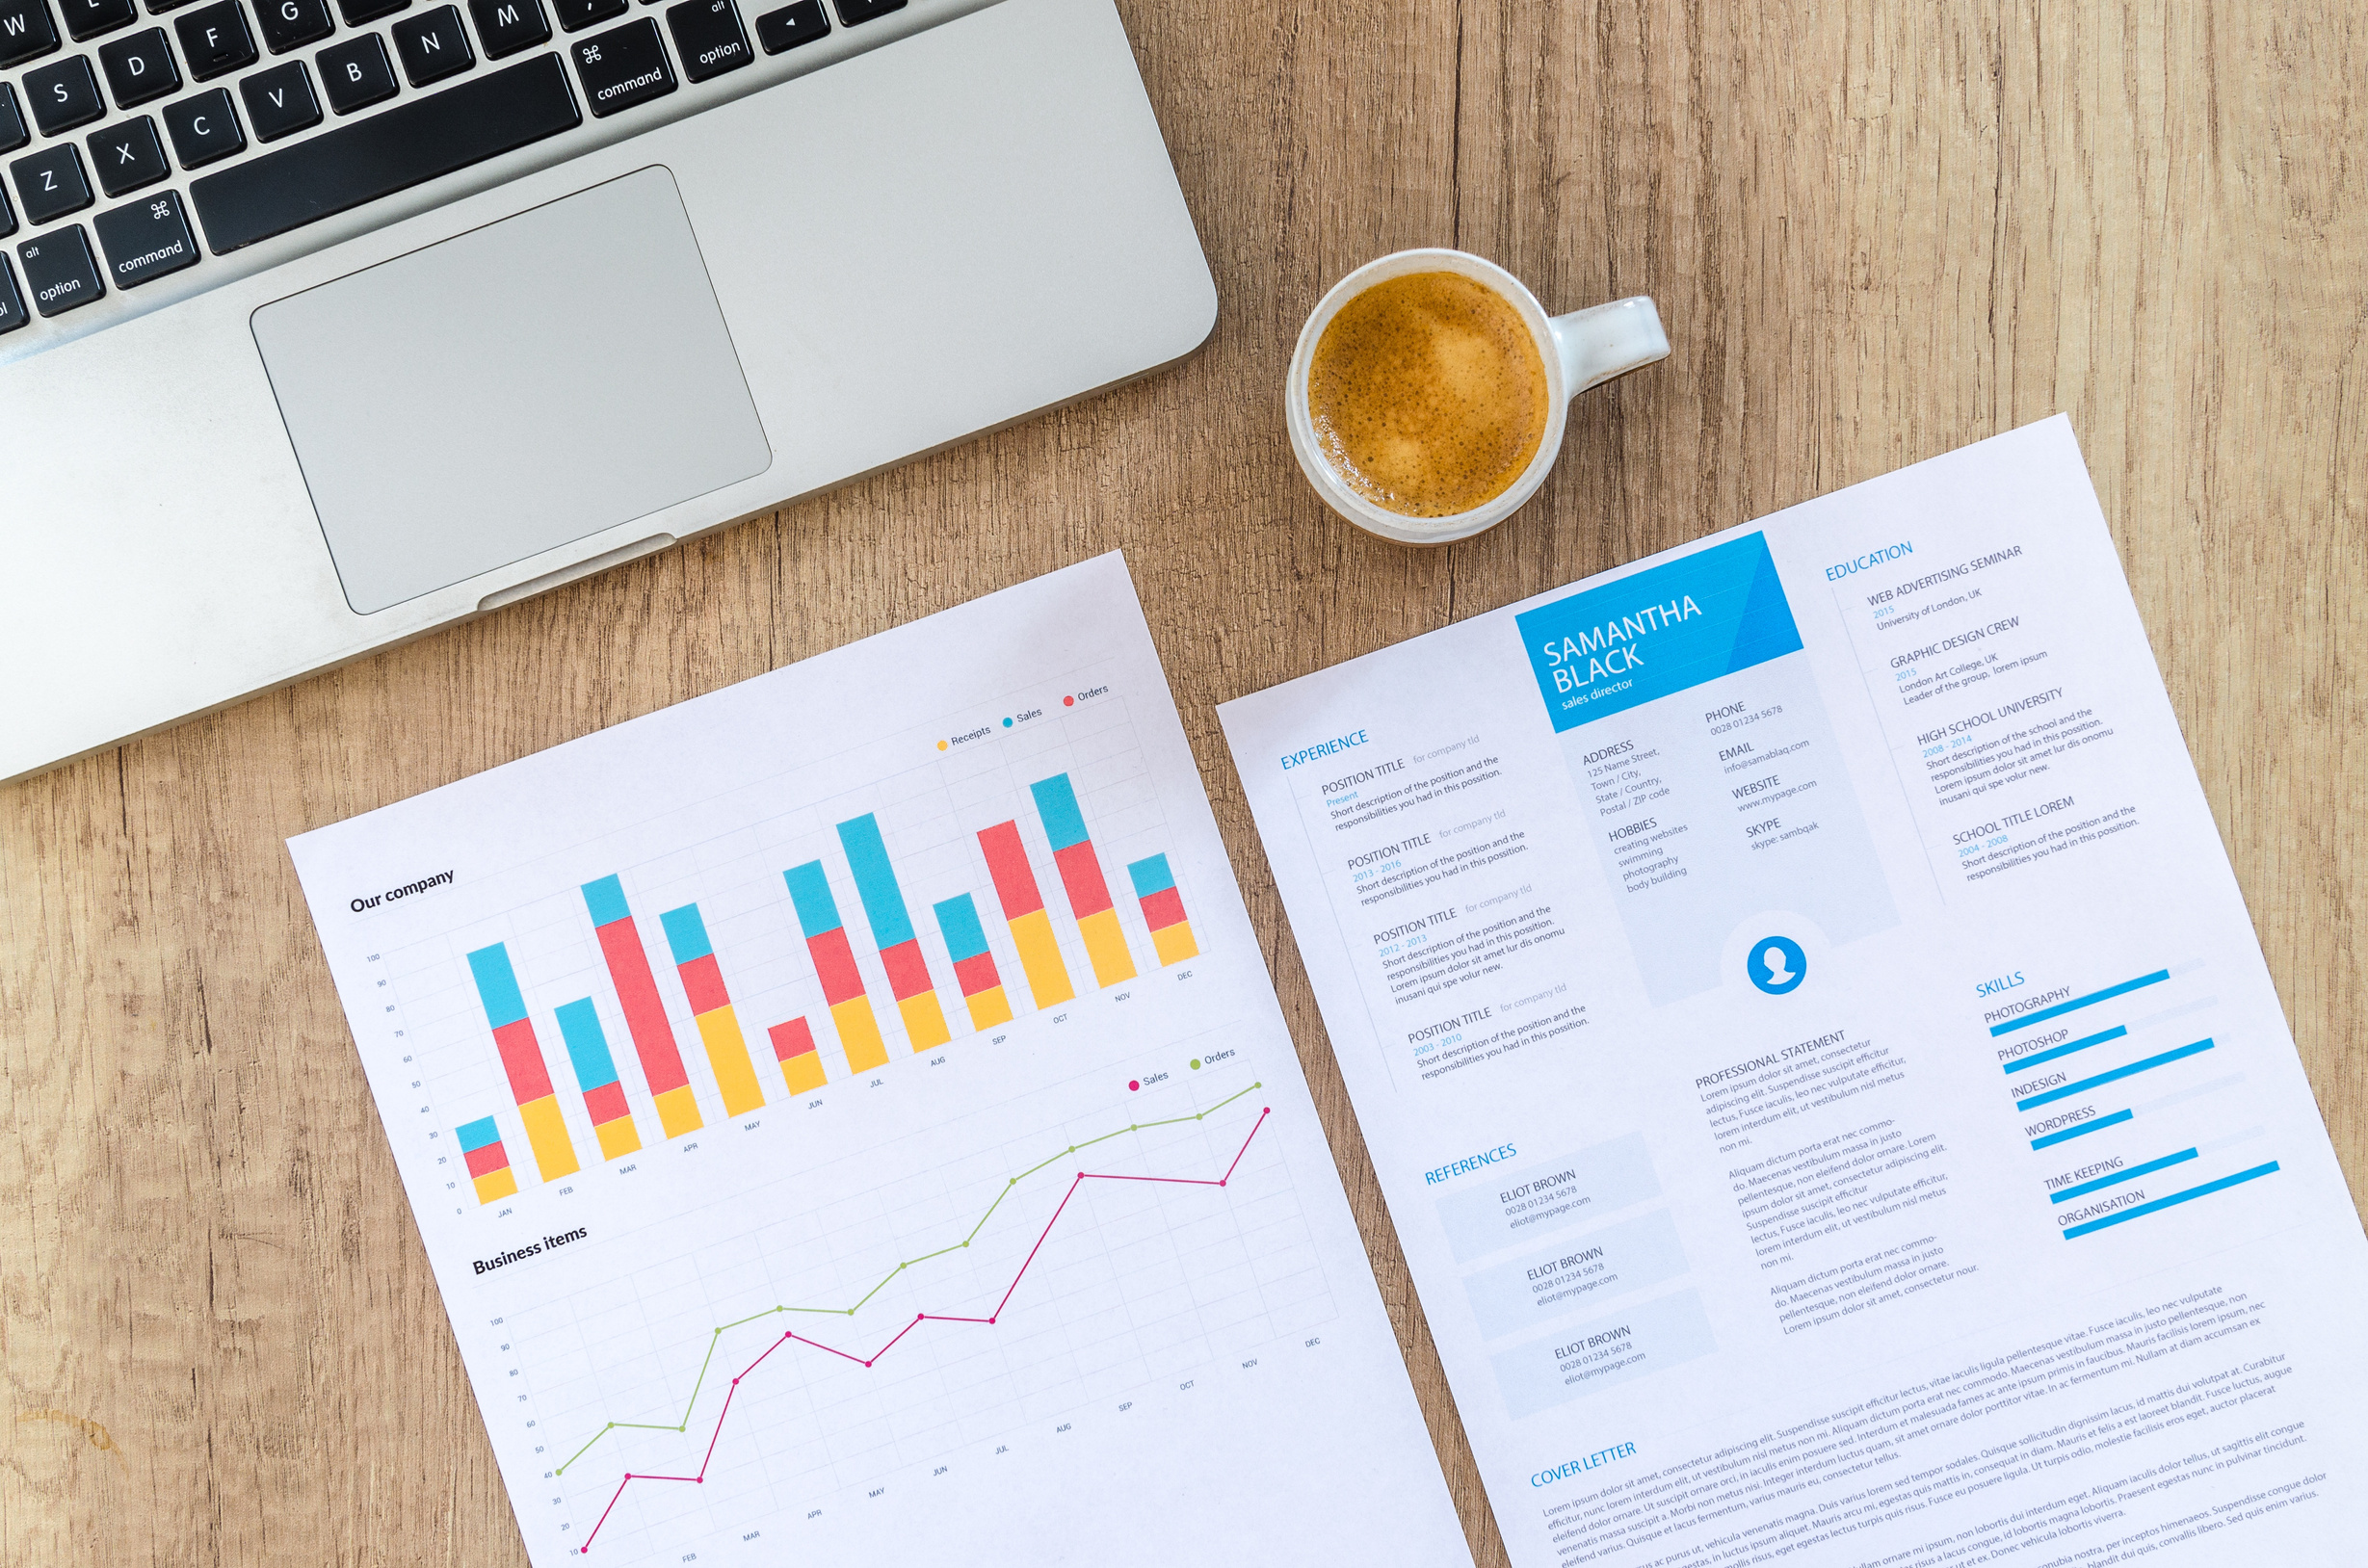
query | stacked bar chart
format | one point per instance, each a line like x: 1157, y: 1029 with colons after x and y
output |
x: 1024, y: 914
x: 834, y: 964
x: 637, y: 993
x: 711, y: 1008
x: 488, y: 1163
x: 900, y: 947
x: 530, y: 1079
x: 595, y: 1074
x: 792, y: 1047
x: 974, y: 966
x: 1163, y: 909
x: 1081, y: 878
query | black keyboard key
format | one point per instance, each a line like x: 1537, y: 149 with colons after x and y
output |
x: 708, y: 37
x: 576, y: 14
x: 791, y: 26
x: 11, y: 303
x: 280, y: 101
x: 358, y: 12
x: 147, y: 240
x: 216, y: 39
x: 27, y: 30
x: 12, y: 132
x: 8, y: 217
x: 852, y: 11
x: 414, y: 141
x: 128, y: 156
x: 59, y: 271
x: 354, y: 74
x: 50, y: 183
x: 506, y: 26
x: 205, y: 128
x: 291, y: 24
x: 623, y: 66
x: 138, y: 68
x: 64, y: 96
x: 434, y: 45
x: 88, y: 18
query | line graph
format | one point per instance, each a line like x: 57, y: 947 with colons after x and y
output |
x: 791, y: 1336
x: 889, y: 1278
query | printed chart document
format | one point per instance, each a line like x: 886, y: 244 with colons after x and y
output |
x: 1816, y: 1056
x: 850, y: 1122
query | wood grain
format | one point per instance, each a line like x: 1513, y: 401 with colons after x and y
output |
x: 1876, y: 231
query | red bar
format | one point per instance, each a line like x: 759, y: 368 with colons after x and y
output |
x: 637, y: 991
x: 606, y: 1103
x: 523, y: 1060
x: 1163, y: 909
x: 1007, y: 862
x: 791, y: 1040
x: 490, y: 1158
x: 907, y: 971
x: 1082, y: 875
x: 976, y: 974
x: 834, y: 964
x: 704, y: 984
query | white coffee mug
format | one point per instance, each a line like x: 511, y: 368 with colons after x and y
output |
x: 1583, y: 349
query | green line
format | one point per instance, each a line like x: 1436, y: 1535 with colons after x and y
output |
x: 715, y: 1338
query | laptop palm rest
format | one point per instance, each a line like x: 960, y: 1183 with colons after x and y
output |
x: 510, y: 389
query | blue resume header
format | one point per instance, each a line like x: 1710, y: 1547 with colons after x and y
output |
x: 1659, y: 632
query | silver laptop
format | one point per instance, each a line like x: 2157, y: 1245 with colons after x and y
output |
x: 325, y: 322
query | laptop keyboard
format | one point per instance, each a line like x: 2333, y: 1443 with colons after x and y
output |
x: 232, y: 122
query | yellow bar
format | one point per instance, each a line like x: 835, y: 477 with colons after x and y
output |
x: 990, y: 1007
x: 803, y: 1073
x: 1175, y: 943
x: 1106, y: 945
x: 617, y: 1138
x: 1039, y: 955
x: 718, y: 1030
x: 925, y: 1022
x: 548, y: 1135
x: 859, y: 1034
x: 496, y: 1184
x: 678, y: 1111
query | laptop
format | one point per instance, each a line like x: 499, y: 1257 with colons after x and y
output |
x: 327, y: 322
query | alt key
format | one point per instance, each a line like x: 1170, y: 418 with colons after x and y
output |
x: 59, y: 271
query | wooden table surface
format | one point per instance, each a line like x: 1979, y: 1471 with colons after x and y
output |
x: 1876, y: 231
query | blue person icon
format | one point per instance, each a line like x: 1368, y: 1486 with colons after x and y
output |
x: 1777, y: 965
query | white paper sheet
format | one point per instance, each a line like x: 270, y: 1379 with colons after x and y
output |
x: 786, y: 1207
x: 1817, y: 1057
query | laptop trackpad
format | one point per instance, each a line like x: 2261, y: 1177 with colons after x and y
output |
x: 510, y: 389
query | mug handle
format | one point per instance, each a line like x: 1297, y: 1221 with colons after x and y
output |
x: 1608, y: 341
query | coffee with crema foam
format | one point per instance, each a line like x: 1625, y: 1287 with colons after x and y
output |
x: 1427, y: 394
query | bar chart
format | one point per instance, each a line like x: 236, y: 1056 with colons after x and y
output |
x: 2128, y: 1160
x: 521, y: 1054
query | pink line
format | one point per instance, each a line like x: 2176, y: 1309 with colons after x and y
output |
x: 918, y: 1319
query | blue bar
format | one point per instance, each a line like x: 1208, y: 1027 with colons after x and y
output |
x: 686, y: 934
x: 1152, y: 876
x: 2120, y: 1176
x: 2020, y: 1063
x: 883, y: 902
x: 497, y: 987
x: 606, y: 900
x: 2053, y: 1138
x: 2088, y: 1083
x: 958, y: 919
x: 818, y: 912
x: 2175, y: 1198
x: 2077, y: 1002
x: 478, y: 1134
x: 588, y: 1045
x: 1057, y: 804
